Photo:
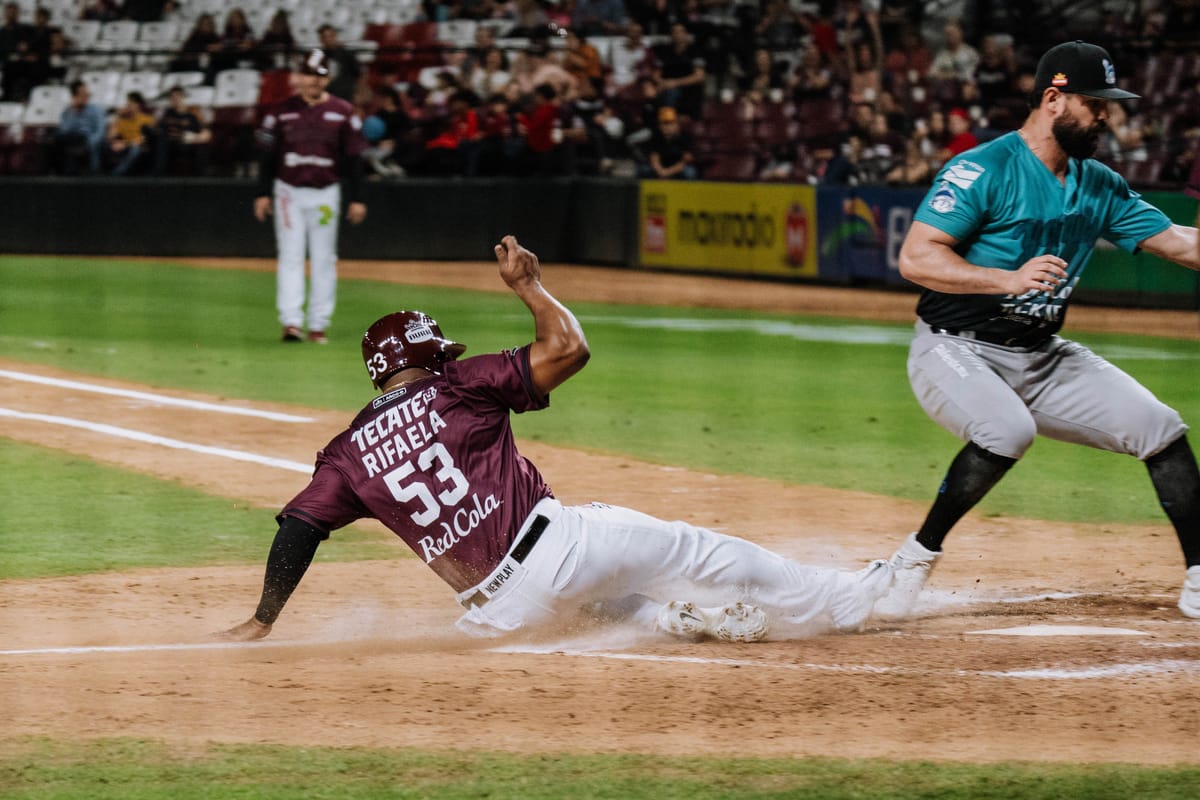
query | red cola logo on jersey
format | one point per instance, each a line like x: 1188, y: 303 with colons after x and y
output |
x: 461, y: 525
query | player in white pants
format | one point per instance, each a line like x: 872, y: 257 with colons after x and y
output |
x: 433, y: 458
x: 310, y: 144
x: 306, y: 217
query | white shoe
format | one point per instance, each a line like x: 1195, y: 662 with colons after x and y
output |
x: 1189, y: 599
x: 911, y: 566
x: 860, y: 593
x: 739, y: 622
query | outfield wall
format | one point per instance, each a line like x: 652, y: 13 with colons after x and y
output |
x: 845, y: 235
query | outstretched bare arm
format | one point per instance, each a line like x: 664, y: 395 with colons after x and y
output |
x: 559, y: 349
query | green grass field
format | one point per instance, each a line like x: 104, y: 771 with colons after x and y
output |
x: 809, y: 401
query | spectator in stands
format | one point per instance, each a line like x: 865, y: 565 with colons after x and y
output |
x: 58, y: 58
x: 127, y: 138
x: 681, y: 74
x: 181, y: 138
x: 958, y: 122
x: 856, y: 27
x: 844, y: 169
x: 277, y: 42
x: 813, y: 77
x: 883, y: 148
x: 956, y: 60
x: 390, y: 134
x: 934, y: 136
x: 996, y: 73
x: 196, y: 51
x: 866, y: 79
x: 910, y: 57
x: 631, y: 58
x: 598, y: 17
x: 445, y: 84
x: 600, y: 133
x: 455, y: 150
x: 536, y: 66
x: 1124, y: 138
x: 655, y: 16
x: 671, y: 152
x: 861, y: 115
x: 491, y: 75
x: 529, y: 19
x: 767, y: 76
x: 913, y: 169
x: 346, y: 73
x: 15, y: 38
x: 236, y: 45
x: 778, y: 27
x: 41, y: 40
x: 79, y: 137
x: 541, y: 126
x: 500, y: 143
x: 582, y: 60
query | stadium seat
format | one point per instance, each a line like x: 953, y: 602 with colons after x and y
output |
x: 50, y: 96
x: 184, y: 78
x: 81, y: 33
x: 119, y: 33
x: 732, y: 167
x: 457, y: 32
x: 148, y: 83
x: 105, y: 86
x: 200, y: 96
x: 236, y: 87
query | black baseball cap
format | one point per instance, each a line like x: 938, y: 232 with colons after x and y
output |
x: 1079, y: 68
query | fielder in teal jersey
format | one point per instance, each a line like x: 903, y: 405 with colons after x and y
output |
x: 999, y: 245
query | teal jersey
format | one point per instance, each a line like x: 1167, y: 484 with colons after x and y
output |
x: 1004, y: 207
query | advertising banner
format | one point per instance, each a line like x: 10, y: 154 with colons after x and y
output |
x: 762, y: 229
x: 860, y: 230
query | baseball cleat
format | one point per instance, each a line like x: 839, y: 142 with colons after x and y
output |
x: 292, y: 334
x: 739, y: 622
x: 1189, y: 599
x: 859, y: 592
x: 911, y: 566
x: 318, y: 337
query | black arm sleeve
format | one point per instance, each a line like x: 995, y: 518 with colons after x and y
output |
x: 354, y: 179
x: 292, y: 551
x: 266, y: 174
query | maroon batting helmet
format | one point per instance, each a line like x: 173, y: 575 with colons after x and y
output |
x: 406, y: 339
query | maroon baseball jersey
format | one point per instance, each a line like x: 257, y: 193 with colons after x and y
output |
x: 435, y: 462
x: 310, y: 141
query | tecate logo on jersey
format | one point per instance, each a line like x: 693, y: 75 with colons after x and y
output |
x: 296, y: 160
x: 463, y: 524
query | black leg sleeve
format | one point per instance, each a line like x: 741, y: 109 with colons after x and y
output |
x: 292, y: 551
x: 972, y: 474
x: 1177, y: 481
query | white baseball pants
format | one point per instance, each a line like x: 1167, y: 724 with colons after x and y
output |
x: 306, y: 217
x: 600, y: 554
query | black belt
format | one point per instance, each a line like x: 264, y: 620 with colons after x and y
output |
x: 990, y: 338
x: 518, y: 553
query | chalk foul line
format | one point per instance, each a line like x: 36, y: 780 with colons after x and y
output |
x: 162, y: 441
x: 1121, y: 670
x: 147, y: 397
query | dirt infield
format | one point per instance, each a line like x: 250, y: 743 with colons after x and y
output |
x: 365, y: 654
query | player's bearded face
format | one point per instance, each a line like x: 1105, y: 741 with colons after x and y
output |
x: 1076, y: 139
